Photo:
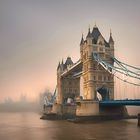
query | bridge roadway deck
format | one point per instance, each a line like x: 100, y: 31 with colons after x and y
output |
x: 128, y: 102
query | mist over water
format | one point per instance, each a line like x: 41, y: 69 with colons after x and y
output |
x: 28, y: 126
x: 34, y: 37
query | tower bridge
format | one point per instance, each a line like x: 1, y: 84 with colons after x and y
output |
x: 97, y: 66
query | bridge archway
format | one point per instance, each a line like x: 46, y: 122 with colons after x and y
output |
x: 103, y: 93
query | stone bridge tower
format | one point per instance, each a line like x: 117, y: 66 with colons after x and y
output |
x: 67, y: 85
x: 94, y: 75
x: 96, y: 80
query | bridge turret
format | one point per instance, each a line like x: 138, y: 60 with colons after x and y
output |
x: 81, y: 46
x: 82, y: 41
x: 89, y: 37
x: 60, y: 68
x: 58, y: 65
x: 68, y: 62
x: 111, y: 41
x: 62, y: 65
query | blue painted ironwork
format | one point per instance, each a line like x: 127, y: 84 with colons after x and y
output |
x: 126, y: 102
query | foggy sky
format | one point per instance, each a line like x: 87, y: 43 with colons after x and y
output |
x: 36, y: 34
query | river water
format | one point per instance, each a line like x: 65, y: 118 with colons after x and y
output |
x: 28, y: 126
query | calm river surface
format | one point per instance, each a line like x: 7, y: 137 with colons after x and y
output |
x: 28, y: 126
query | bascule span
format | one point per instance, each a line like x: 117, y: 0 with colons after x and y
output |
x: 126, y: 102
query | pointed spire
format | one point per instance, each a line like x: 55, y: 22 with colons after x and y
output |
x: 110, y: 38
x: 62, y: 65
x: 110, y: 32
x: 58, y: 65
x: 62, y: 61
x: 89, y: 33
x: 95, y: 26
x: 82, y: 40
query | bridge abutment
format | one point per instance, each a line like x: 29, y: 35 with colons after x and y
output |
x: 87, y: 108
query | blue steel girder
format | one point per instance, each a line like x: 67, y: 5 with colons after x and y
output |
x: 135, y: 102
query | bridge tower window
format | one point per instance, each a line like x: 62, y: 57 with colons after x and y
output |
x: 100, y: 78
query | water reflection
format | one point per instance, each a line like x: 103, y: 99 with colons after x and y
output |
x: 28, y: 126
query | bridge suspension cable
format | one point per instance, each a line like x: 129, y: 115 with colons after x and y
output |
x: 127, y: 64
x: 120, y: 68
